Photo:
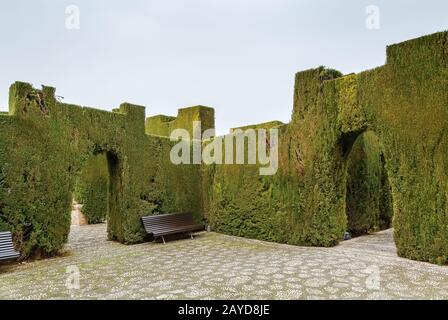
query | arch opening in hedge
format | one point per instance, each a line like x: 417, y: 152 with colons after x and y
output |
x: 369, y: 200
x: 92, y: 189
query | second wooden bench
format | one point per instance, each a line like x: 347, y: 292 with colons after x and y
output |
x: 170, y: 224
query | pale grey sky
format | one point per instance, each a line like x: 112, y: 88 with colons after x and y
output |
x: 238, y: 56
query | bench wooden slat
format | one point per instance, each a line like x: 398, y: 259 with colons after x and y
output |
x: 5, y: 243
x: 9, y: 257
x: 165, y: 230
x: 169, y: 224
x: 9, y: 254
x: 162, y: 230
x: 6, y: 248
x: 171, y: 227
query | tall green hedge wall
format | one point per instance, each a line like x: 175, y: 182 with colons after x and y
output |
x: 44, y: 144
x: 404, y: 103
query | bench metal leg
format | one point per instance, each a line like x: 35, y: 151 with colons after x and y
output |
x: 191, y: 235
x: 163, y: 238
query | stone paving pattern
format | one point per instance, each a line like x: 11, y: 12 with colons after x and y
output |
x: 216, y: 266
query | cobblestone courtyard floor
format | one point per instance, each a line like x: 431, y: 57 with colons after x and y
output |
x: 215, y: 266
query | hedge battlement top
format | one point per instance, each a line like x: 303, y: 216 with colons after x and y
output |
x: 45, y: 100
x: 162, y: 125
x: 26, y: 101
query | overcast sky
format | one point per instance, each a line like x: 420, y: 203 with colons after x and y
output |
x: 238, y: 56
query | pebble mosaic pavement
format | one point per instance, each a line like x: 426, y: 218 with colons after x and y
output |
x: 216, y: 266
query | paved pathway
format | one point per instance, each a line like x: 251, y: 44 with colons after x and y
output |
x: 215, y: 266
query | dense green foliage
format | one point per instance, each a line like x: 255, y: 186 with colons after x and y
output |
x: 163, y: 125
x: 45, y: 144
x: 92, y: 189
x: 266, y: 126
x: 369, y: 198
x: 405, y: 104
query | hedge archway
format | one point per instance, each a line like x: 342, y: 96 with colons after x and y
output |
x: 369, y: 197
x: 404, y: 103
x: 44, y: 145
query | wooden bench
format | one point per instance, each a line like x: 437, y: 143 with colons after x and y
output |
x: 170, y: 224
x: 7, y: 251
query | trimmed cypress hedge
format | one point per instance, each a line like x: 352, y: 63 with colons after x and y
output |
x: 44, y: 144
x: 404, y: 103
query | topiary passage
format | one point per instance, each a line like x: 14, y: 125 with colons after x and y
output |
x: 92, y: 189
x: 45, y: 144
x: 399, y: 109
x: 405, y: 104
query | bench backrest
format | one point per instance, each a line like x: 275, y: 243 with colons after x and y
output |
x: 165, y: 222
x: 6, y: 243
